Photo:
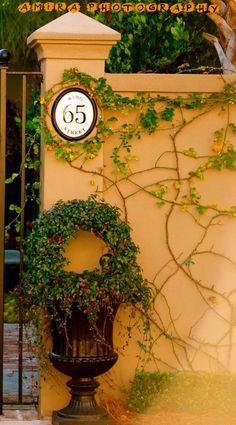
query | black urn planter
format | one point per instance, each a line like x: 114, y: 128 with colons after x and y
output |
x: 83, y: 353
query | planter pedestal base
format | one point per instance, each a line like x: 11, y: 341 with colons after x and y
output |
x: 83, y: 356
x: 60, y: 420
x: 83, y: 408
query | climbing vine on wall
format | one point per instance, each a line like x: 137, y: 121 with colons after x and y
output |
x: 174, y: 181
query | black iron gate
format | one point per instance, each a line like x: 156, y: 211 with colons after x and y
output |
x: 23, y: 84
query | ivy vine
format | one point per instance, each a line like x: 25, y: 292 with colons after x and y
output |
x: 170, y: 187
x: 151, y: 112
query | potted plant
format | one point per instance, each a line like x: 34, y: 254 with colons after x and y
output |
x: 81, y: 306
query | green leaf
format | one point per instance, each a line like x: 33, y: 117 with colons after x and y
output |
x: 12, y: 178
x: 189, y: 262
x: 190, y: 152
x: 167, y: 114
x: 201, y: 209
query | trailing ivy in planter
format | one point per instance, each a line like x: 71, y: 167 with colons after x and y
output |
x: 46, y: 284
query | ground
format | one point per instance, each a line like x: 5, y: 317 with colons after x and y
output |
x: 127, y: 417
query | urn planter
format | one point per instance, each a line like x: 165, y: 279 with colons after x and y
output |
x: 83, y: 351
x: 83, y: 305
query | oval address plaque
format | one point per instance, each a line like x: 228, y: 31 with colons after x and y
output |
x: 74, y: 114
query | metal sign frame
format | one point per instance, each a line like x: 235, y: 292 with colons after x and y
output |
x: 74, y: 114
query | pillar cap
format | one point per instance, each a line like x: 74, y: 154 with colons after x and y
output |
x: 74, y: 27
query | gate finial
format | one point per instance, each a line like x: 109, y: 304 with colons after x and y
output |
x: 5, y: 56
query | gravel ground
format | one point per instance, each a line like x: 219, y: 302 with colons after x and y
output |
x: 127, y: 417
x: 177, y: 418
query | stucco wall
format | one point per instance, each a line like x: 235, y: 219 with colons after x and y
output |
x: 193, y: 306
x: 189, y: 311
x: 195, y: 318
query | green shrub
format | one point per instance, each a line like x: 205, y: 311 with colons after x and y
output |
x: 190, y: 392
x: 11, y: 313
x: 159, y: 42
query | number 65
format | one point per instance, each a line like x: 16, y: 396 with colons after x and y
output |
x: 68, y: 116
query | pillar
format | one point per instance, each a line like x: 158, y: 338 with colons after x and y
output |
x: 71, y: 41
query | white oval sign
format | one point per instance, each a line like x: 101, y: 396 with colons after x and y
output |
x: 74, y: 114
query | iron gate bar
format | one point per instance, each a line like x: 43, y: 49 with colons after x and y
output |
x: 22, y: 221
x: 3, y: 77
x: 25, y: 73
x: 22, y: 218
x: 4, y: 58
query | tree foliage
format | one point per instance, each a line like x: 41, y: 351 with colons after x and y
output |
x: 158, y: 42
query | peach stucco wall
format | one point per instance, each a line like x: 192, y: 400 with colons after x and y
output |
x: 184, y: 312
